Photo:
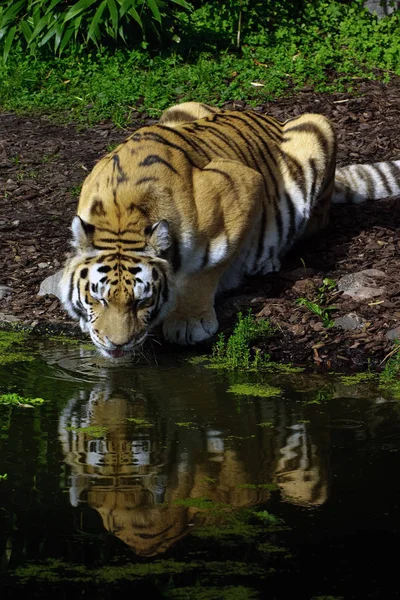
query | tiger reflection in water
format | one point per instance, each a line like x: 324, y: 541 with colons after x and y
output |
x: 134, y: 475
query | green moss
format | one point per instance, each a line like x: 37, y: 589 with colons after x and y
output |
x: 254, y: 389
x: 267, y: 424
x: 139, y: 422
x: 200, y: 503
x: 17, y: 400
x: 358, y: 378
x: 94, y: 431
x: 213, y: 593
x: 198, y: 360
x: 258, y: 486
x: 13, y: 347
x: 188, y: 424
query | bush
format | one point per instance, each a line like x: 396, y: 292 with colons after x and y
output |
x: 38, y: 23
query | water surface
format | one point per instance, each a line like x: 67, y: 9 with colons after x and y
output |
x: 152, y: 477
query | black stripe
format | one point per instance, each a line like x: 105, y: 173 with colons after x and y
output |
x: 119, y: 241
x: 146, y: 180
x: 229, y: 142
x: 185, y: 138
x: 206, y: 256
x: 174, y: 255
x: 121, y: 177
x: 153, y: 159
x: 313, y: 129
x: 395, y: 171
x: 264, y: 161
x: 155, y: 137
x: 383, y: 178
x: 261, y: 237
x: 249, y: 148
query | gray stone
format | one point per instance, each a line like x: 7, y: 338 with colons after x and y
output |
x: 362, y: 285
x: 393, y: 334
x: 350, y: 322
x: 8, y: 318
x: 50, y: 285
x: 5, y: 291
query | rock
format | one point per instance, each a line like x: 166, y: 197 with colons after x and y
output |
x: 8, y: 318
x: 50, y: 285
x: 362, y: 285
x: 5, y: 291
x: 350, y: 322
x: 393, y: 334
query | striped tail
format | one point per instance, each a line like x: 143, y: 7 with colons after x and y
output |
x: 358, y: 183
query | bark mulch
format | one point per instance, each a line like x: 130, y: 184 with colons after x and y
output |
x: 42, y: 165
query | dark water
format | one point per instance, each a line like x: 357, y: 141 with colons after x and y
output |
x: 190, y: 491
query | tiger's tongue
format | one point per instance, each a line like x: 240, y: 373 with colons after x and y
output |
x: 117, y: 353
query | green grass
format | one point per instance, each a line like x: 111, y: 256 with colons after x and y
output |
x: 327, y: 46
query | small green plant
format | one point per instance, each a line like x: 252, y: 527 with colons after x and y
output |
x: 236, y: 353
x: 319, y: 305
x: 17, y: 400
x: 3, y: 477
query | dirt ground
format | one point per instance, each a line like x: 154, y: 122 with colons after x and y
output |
x: 42, y: 165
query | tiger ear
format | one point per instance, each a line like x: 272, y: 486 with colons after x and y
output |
x: 160, y: 237
x: 82, y: 234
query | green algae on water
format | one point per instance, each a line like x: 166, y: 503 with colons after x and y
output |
x: 12, y: 347
x: 94, y: 431
x: 139, y: 422
x: 254, y: 389
x: 17, y: 400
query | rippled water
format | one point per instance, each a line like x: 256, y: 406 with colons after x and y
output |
x: 181, y: 489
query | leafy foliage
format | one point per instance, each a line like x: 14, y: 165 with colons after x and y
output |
x: 42, y: 22
x: 125, y: 66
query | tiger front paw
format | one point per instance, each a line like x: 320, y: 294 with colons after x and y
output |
x: 189, y: 330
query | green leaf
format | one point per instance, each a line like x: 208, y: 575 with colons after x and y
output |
x: 8, y: 41
x: 114, y: 15
x: 57, y: 40
x: 48, y: 35
x: 67, y: 36
x: 77, y: 8
x: 93, y: 31
x: 133, y: 12
x: 11, y: 13
x: 183, y: 3
x: 41, y: 24
x: 154, y: 9
x: 52, y: 4
x: 26, y: 30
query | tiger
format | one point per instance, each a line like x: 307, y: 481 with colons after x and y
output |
x: 186, y: 208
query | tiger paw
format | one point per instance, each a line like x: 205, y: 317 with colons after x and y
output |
x: 273, y: 265
x: 189, y: 330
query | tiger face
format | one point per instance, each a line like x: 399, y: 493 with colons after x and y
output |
x: 117, y: 296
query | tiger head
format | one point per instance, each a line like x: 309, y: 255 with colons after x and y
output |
x: 118, y: 294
